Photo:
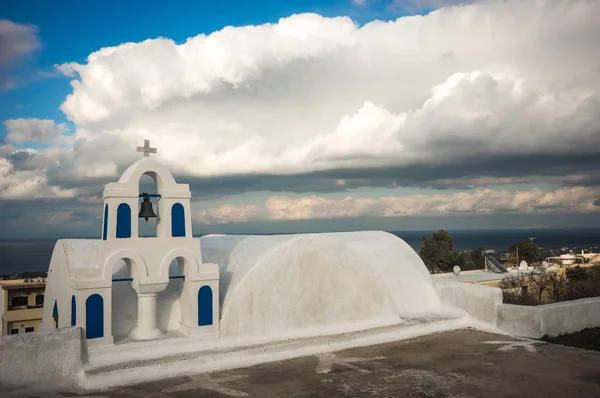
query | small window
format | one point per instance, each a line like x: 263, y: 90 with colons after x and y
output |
x: 39, y: 299
x: 29, y: 329
x: 20, y: 301
x: 14, y: 331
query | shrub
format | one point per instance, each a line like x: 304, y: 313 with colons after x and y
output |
x: 542, y: 287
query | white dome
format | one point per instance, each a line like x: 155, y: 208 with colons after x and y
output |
x: 280, y: 285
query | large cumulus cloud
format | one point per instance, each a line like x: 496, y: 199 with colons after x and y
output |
x: 311, y: 93
x: 490, y: 93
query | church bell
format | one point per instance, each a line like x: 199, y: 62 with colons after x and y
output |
x: 146, y: 210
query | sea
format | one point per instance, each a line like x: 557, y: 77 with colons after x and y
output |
x: 34, y: 256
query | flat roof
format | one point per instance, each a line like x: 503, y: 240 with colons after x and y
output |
x: 475, y: 276
x: 23, y: 286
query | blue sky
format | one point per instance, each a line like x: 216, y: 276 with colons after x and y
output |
x: 406, y: 113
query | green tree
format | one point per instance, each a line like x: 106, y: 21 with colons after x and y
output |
x: 477, y: 258
x: 528, y: 251
x: 438, y: 252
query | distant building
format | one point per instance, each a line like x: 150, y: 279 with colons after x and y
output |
x: 21, y: 302
x: 571, y: 259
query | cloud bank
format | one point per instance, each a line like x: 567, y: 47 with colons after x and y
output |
x: 485, y: 201
x: 491, y: 92
x: 312, y: 93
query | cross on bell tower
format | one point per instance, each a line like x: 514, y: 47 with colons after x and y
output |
x: 146, y: 149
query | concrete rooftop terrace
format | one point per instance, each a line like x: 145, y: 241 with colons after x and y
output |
x: 461, y: 363
x: 476, y: 276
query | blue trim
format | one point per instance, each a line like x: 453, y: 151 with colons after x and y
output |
x: 130, y: 279
x: 55, y: 311
x: 123, y: 221
x: 177, y: 220
x: 105, y: 224
x: 205, y: 306
x: 94, y: 317
x: 150, y: 195
x: 73, y: 311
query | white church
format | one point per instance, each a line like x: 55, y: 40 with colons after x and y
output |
x: 126, y: 286
x: 122, y: 288
x: 150, y: 308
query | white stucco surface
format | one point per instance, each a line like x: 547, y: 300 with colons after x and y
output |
x: 549, y: 319
x: 282, y: 285
x: 520, y: 320
x: 40, y: 359
x: 479, y: 301
x: 485, y: 304
x: 178, y: 358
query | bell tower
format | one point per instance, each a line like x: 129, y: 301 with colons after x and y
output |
x: 172, y: 257
x: 122, y: 202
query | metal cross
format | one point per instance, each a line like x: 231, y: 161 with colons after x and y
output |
x: 146, y: 149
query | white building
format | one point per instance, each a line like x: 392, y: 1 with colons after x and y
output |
x: 123, y: 287
x: 269, y: 298
x: 126, y: 286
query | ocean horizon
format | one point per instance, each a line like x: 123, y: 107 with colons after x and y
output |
x: 34, y: 255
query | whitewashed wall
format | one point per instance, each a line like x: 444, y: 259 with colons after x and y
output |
x: 549, y: 319
x: 40, y: 359
x: 479, y: 301
x: 485, y: 304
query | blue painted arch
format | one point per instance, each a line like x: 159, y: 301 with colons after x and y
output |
x: 177, y: 220
x: 205, y: 306
x: 73, y: 311
x: 94, y: 317
x: 123, y: 221
x: 105, y: 224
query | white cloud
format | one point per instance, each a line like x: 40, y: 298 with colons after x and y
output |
x: 23, y: 174
x: 37, y: 131
x: 486, y: 201
x: 63, y: 218
x: 312, y: 93
x: 17, y: 41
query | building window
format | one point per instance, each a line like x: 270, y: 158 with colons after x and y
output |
x: 39, y: 299
x: 123, y: 221
x: 205, y: 306
x: 14, y: 331
x: 29, y: 329
x: 94, y: 317
x: 177, y: 220
x: 20, y: 301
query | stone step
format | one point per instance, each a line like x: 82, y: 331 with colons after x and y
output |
x: 147, y: 361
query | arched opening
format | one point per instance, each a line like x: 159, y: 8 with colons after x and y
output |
x: 124, y: 305
x: 147, y: 229
x: 73, y: 311
x: 169, y: 306
x: 94, y: 317
x: 123, y: 221
x: 177, y: 220
x: 105, y: 223
x: 205, y: 306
